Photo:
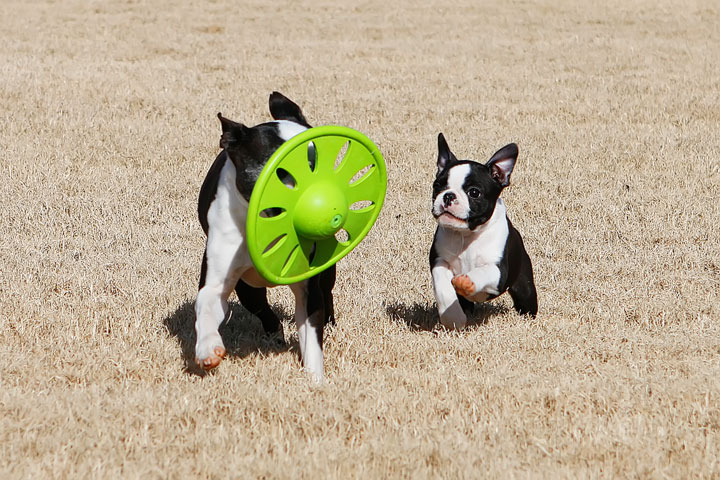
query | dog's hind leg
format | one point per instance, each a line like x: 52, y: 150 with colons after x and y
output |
x: 310, y: 321
x: 522, y: 291
x: 327, y: 282
x: 255, y: 301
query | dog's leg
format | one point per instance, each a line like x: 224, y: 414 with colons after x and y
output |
x: 309, y: 318
x: 255, y: 301
x: 482, y: 280
x: 449, y: 308
x: 466, y: 305
x: 522, y: 291
x: 327, y: 282
x: 222, y: 270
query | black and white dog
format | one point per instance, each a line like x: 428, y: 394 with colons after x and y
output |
x: 476, y: 254
x: 226, y: 265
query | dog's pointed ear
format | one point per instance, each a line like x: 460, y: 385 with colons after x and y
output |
x: 233, y: 132
x: 445, y: 156
x: 282, y: 108
x: 501, y: 164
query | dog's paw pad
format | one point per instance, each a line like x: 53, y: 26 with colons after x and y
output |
x: 463, y: 285
x: 211, y: 361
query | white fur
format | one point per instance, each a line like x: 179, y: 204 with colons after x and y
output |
x: 451, y: 313
x: 288, y: 129
x: 228, y: 260
x: 460, y: 207
x: 310, y: 348
x: 473, y: 253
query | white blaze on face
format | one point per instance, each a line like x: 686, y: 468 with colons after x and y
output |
x: 460, y: 207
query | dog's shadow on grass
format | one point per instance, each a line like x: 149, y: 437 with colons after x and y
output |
x: 422, y: 316
x: 242, y: 334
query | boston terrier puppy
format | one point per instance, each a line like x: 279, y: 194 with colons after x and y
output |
x: 476, y: 254
x: 226, y: 264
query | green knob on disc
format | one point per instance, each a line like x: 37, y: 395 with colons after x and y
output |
x: 321, y: 211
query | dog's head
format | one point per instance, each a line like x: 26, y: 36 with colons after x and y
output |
x: 465, y: 192
x: 249, y: 148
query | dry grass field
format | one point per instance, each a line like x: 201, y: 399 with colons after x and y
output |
x: 108, y: 126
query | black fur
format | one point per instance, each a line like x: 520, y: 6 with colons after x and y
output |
x: 483, y: 186
x: 517, y: 270
x: 282, y: 108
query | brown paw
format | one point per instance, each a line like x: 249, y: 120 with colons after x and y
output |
x: 213, y: 360
x: 463, y: 285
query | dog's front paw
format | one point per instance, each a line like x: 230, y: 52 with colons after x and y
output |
x: 454, y: 320
x: 209, y: 351
x: 463, y: 285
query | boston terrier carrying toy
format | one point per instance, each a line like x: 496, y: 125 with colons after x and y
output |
x: 226, y: 265
x: 476, y: 254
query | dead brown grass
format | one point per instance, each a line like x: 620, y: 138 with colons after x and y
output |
x: 108, y: 126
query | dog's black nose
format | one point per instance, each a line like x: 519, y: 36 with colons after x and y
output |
x: 448, y: 198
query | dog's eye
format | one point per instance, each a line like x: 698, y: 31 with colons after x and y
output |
x: 474, y: 192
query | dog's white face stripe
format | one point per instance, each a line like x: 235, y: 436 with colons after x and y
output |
x: 457, y: 177
x: 288, y: 129
x: 460, y: 208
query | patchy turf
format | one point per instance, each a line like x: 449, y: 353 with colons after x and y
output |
x: 108, y: 126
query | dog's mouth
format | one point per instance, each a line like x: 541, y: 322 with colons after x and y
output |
x: 448, y: 218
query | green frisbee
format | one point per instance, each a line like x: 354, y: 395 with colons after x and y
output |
x: 314, y: 201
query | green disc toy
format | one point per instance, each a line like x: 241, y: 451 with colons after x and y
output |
x: 314, y: 201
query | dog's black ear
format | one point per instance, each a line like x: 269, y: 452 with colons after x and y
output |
x: 501, y: 164
x: 282, y: 108
x: 233, y: 132
x: 445, y: 156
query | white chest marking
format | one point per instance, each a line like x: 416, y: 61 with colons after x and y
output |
x: 483, y: 246
x: 476, y: 253
x: 227, y: 216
